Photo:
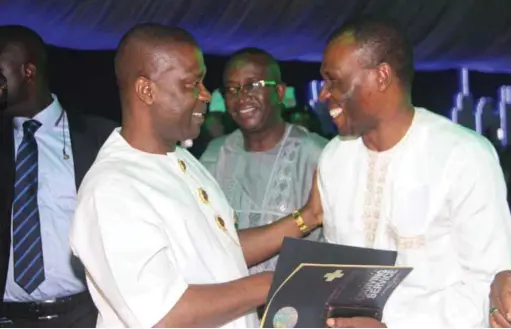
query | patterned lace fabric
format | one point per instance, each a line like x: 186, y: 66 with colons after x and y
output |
x: 378, y: 164
x: 263, y: 187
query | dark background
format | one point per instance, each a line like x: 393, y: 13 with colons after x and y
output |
x: 85, y: 81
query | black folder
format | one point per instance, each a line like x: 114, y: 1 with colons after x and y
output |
x: 314, y: 281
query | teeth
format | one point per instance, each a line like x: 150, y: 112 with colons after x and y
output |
x: 247, y: 110
x: 198, y: 115
x: 334, y: 113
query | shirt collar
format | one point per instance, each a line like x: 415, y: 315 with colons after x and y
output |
x: 47, y: 117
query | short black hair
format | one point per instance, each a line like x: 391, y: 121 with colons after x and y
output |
x: 145, y: 38
x: 32, y: 42
x: 156, y: 33
x: 386, y: 42
x: 267, y: 58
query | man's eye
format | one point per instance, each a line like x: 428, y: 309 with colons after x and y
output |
x: 231, y: 90
x: 254, y: 85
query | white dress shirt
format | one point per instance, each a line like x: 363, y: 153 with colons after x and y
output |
x: 56, y: 200
x: 439, y: 198
x: 144, y: 232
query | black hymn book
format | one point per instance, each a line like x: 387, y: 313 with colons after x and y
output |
x: 314, y: 281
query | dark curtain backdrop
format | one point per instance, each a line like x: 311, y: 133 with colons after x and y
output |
x: 84, y: 80
x: 447, y: 34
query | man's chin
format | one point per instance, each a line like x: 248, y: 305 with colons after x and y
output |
x: 250, y: 128
x: 249, y: 124
x: 192, y: 134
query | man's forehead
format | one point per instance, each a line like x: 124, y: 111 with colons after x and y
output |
x: 250, y: 59
x: 12, y: 48
x: 177, y: 50
x: 187, y: 58
x: 338, y: 51
x: 249, y: 65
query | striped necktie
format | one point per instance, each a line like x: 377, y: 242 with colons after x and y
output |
x: 26, y: 228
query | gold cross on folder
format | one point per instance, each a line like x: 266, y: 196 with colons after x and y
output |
x: 329, y: 277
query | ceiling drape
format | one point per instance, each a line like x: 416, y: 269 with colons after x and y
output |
x: 446, y: 33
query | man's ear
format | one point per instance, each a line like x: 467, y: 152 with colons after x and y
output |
x: 29, y: 71
x: 384, y: 76
x: 145, y: 90
x: 281, y: 91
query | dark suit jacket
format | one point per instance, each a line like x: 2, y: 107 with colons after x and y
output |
x: 88, y: 133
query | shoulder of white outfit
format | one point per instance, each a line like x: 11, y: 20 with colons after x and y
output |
x: 332, y: 156
x: 105, y: 179
x: 338, y: 142
x: 443, y: 131
x: 111, y: 145
x: 109, y: 170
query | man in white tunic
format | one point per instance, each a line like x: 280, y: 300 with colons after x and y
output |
x: 406, y: 179
x: 265, y: 168
x: 152, y: 227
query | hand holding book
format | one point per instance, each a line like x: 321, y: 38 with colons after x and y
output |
x: 312, y: 287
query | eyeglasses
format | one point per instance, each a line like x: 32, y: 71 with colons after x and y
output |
x: 230, y: 91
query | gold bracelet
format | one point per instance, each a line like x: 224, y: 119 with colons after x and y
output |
x: 297, y: 216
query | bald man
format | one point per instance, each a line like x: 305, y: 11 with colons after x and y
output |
x: 152, y: 227
x: 45, y: 151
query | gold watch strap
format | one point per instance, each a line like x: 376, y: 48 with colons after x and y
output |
x: 297, y: 216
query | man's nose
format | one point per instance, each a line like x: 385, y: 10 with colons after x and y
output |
x: 324, y: 94
x: 205, y: 95
x: 244, y: 96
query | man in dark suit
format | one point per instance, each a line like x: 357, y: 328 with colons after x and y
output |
x: 44, y: 153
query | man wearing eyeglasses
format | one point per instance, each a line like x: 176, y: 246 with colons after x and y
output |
x: 266, y: 167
